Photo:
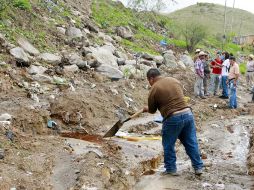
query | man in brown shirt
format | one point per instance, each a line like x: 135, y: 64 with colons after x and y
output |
x: 166, y: 95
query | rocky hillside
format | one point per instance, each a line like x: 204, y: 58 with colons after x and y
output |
x: 61, y: 72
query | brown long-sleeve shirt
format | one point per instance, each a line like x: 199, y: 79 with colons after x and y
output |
x: 167, y: 96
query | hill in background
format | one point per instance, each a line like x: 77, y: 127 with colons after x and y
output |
x: 238, y: 21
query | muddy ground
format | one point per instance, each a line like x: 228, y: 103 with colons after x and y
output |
x: 37, y: 157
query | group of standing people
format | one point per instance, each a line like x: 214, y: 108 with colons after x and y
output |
x: 222, y: 71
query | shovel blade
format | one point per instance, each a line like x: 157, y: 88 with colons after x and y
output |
x: 114, y: 129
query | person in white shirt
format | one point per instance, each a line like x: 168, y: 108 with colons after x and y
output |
x: 224, y: 75
x: 250, y: 71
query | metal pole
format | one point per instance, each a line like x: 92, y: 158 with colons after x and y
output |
x: 232, y: 21
x: 224, y: 32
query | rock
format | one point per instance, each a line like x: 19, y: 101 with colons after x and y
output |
x: 121, y: 55
x: 42, y: 78
x: 120, y: 61
x: 73, y: 32
x: 61, y: 30
x: 187, y: 60
x: 169, y: 59
x: 5, y: 117
x: 130, y: 71
x: 2, y: 63
x: 104, y: 55
x: 92, y: 61
x: 75, y: 59
x: 19, y: 54
x: 50, y: 58
x: 33, y: 70
x: 124, y: 32
x: 105, y: 37
x: 2, y: 154
x: 158, y: 59
x: 28, y: 47
x: 71, y: 68
x: 147, y: 57
x: 110, y: 71
x: 131, y: 62
x: 148, y: 63
x: 92, y: 27
x: 181, y: 64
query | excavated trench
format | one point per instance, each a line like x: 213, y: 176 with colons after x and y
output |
x: 224, y: 146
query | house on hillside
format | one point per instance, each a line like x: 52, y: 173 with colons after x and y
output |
x: 244, y: 40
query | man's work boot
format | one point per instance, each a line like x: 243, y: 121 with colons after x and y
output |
x: 199, y: 172
x: 165, y: 173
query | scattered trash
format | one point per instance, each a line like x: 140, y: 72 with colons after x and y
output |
x: 5, y: 117
x: 114, y: 91
x: 52, y: 125
x: 93, y: 86
x: 204, y: 185
x: 220, y: 186
x: 59, y: 80
x: 100, y: 164
x: 10, y: 135
x: 158, y: 119
x: 215, y: 106
x: 2, y: 154
x: 72, y: 87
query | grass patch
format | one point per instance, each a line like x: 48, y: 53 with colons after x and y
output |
x: 243, y: 68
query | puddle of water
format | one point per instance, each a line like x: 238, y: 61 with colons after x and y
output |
x: 83, y: 136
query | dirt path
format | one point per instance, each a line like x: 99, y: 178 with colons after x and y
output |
x: 225, y: 144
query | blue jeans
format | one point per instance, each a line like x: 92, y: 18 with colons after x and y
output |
x: 224, y: 86
x: 182, y: 127
x: 233, y: 97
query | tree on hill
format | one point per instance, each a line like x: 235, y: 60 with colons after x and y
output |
x: 193, y: 34
x: 155, y: 5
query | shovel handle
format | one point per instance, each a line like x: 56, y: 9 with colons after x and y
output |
x: 136, y: 114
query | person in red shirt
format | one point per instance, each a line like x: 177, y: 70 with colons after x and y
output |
x: 216, y: 66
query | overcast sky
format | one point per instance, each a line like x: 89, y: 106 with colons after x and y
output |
x: 242, y: 4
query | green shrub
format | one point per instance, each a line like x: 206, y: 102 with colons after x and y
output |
x: 22, y: 4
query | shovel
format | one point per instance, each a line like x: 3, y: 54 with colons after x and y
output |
x: 120, y: 123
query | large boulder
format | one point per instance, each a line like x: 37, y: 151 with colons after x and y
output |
x: 28, y: 47
x: 73, y: 32
x: 104, y: 55
x: 33, y: 70
x: 169, y: 59
x: 50, y: 58
x: 109, y: 71
x: 19, y: 54
x: 187, y: 60
x: 124, y: 32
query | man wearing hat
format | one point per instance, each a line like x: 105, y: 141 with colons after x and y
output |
x: 199, y: 69
x: 196, y: 55
x: 233, y: 77
x: 250, y: 71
